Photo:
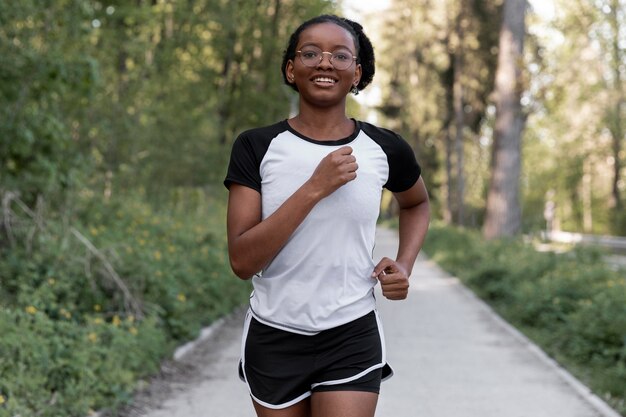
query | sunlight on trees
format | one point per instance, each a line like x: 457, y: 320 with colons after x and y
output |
x: 151, y: 94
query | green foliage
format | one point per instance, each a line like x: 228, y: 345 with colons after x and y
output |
x: 572, y: 304
x: 61, y: 367
x: 578, y: 83
x: 450, y: 41
x: 72, y: 338
x: 41, y: 84
x: 148, y: 94
x: 117, y: 118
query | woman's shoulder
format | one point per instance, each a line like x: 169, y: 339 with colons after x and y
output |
x: 264, y: 132
x: 378, y: 133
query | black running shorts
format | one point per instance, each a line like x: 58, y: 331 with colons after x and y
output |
x: 282, y: 368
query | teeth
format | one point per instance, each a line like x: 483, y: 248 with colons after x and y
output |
x: 324, y: 80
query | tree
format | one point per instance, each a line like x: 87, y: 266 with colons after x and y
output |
x: 45, y: 75
x: 616, y: 113
x: 437, y: 65
x: 503, y: 216
x: 572, y: 146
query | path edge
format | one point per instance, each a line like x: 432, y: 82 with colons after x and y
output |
x: 597, y: 403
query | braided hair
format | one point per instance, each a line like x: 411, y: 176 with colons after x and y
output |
x: 365, y: 50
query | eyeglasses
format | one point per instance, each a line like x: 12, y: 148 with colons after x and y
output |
x: 340, y: 59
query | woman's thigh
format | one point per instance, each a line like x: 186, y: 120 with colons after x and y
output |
x: 343, y: 404
x: 300, y: 409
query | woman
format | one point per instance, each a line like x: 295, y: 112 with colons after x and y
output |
x: 304, y: 197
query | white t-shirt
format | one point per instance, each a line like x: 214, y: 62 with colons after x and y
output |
x: 321, y: 278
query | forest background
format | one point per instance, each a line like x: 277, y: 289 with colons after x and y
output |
x: 116, y: 122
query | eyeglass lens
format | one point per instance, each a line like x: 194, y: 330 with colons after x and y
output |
x: 341, y: 59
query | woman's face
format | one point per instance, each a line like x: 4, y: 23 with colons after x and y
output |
x: 323, y: 84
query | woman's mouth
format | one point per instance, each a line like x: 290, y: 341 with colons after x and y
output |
x: 325, y: 81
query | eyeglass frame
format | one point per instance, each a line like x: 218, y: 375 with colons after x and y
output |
x: 330, y: 60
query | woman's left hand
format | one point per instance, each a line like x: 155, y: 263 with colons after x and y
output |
x: 393, y: 278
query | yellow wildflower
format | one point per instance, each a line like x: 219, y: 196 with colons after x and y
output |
x: 157, y: 255
x: 171, y: 249
x: 158, y: 273
x: 130, y: 319
x: 51, y: 281
x: 133, y: 330
x: 2, y: 399
x: 93, y: 337
x: 31, y: 309
x: 66, y: 313
x: 98, y: 320
x: 93, y: 231
x: 97, y: 307
x: 116, y: 320
x: 181, y: 297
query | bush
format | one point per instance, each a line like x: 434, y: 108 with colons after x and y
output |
x: 60, y: 368
x: 92, y: 301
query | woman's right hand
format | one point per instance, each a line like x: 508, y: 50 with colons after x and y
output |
x: 334, y: 170
x: 253, y: 241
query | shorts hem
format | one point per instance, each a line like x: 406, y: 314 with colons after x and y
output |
x: 348, y: 379
x: 332, y: 388
x: 283, y: 405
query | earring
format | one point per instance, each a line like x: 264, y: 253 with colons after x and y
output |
x: 354, y: 89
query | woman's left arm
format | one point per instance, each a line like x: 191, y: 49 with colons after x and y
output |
x: 414, y: 217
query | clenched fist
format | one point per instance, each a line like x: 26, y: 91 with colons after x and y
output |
x: 334, y: 170
x: 393, y: 278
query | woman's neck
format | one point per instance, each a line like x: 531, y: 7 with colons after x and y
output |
x: 323, y: 124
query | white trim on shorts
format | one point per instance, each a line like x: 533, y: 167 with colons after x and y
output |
x: 246, y: 327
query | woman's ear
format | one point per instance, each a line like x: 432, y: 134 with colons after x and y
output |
x: 289, y: 72
x: 357, y: 75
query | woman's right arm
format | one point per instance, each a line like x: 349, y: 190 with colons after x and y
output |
x: 253, y: 242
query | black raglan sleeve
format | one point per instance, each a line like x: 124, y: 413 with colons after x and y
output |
x: 404, y: 170
x: 248, y: 152
x: 243, y: 167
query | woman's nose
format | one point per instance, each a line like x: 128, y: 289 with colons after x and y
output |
x: 325, y: 62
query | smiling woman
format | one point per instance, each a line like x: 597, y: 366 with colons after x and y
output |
x: 304, y: 197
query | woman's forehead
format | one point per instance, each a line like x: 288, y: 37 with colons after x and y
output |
x: 326, y: 34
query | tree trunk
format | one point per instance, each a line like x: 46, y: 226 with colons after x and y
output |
x: 587, y: 197
x: 449, y: 184
x: 616, y: 121
x: 448, y: 207
x: 503, y: 216
x: 226, y: 81
x: 459, y: 120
